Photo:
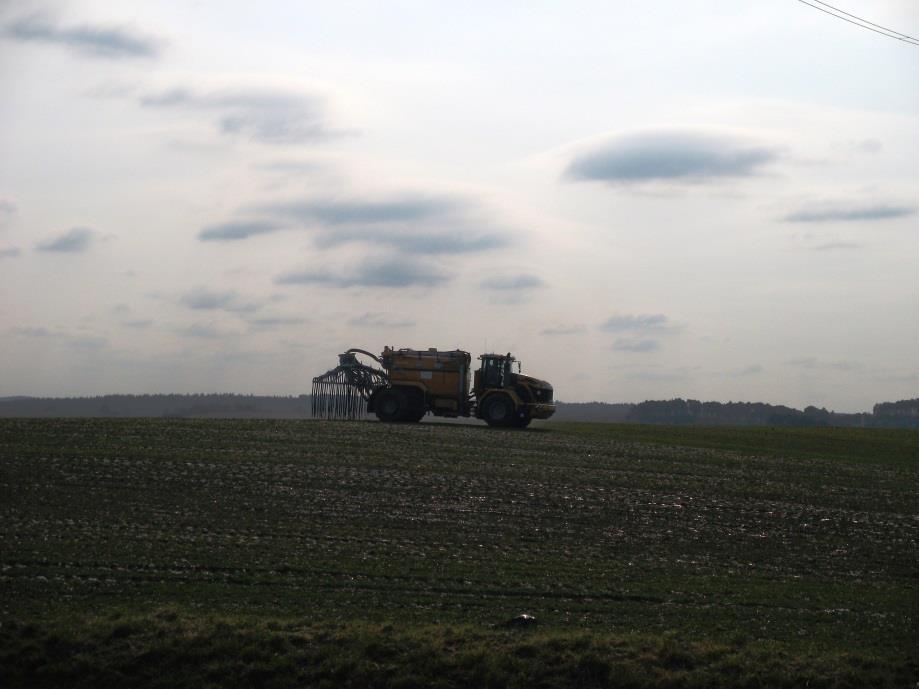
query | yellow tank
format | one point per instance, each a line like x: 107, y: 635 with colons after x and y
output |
x: 440, y: 378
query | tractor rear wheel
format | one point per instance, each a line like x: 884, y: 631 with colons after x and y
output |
x: 498, y: 411
x: 390, y: 405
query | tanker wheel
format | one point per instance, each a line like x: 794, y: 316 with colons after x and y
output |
x: 498, y: 411
x: 390, y: 405
x: 414, y: 416
x: 414, y: 411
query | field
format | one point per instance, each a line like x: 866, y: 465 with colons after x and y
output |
x: 304, y: 553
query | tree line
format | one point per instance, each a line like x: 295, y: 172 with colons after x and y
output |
x: 901, y: 414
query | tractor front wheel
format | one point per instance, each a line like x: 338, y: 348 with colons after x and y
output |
x: 498, y: 411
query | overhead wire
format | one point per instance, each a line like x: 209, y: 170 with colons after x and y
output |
x: 863, y: 23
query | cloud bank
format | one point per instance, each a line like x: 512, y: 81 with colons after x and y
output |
x: 559, y: 330
x: 273, y: 322
x: 75, y: 240
x: 90, y: 40
x: 201, y: 299
x: 200, y: 331
x: 415, y: 224
x: 270, y: 116
x: 628, y: 344
x: 635, y: 322
x: 380, y: 320
x: 385, y: 273
x: 231, y: 231
x: 7, y: 211
x: 671, y: 156
x: 814, y: 364
x: 751, y: 370
x: 834, y: 246
x: 409, y: 223
x: 405, y: 209
x: 513, y: 283
x: 850, y: 213
x: 640, y: 331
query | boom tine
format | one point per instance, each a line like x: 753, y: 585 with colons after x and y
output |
x: 343, y: 392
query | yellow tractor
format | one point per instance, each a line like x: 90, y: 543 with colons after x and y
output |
x: 410, y: 383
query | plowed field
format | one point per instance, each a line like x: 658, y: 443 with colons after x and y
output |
x: 582, y: 526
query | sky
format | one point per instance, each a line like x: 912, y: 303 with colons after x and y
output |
x: 705, y: 199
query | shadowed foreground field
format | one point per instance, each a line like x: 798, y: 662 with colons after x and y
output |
x: 288, y: 553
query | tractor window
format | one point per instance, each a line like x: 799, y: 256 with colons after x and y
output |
x: 491, y: 372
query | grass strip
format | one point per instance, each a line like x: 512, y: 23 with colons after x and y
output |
x: 170, y: 648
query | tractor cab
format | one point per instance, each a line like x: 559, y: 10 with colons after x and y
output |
x: 496, y: 371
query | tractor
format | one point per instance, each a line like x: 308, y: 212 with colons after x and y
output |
x: 407, y: 384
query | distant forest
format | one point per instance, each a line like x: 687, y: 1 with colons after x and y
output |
x: 902, y: 414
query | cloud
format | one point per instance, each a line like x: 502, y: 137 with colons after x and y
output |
x: 78, y: 342
x: 417, y: 224
x: 635, y: 322
x: 832, y: 246
x: 814, y: 364
x: 752, y: 370
x: 670, y: 155
x: 641, y: 330
x: 849, y: 213
x: 91, y: 344
x: 290, y: 166
x: 202, y: 299
x: 673, y: 376
x: 868, y: 146
x: 512, y: 289
x: 513, y: 283
x: 199, y: 330
x: 230, y: 231
x: 36, y: 331
x: 272, y: 322
x: 380, y: 320
x: 271, y: 116
x: 138, y: 324
x: 7, y: 211
x: 10, y: 252
x: 627, y: 344
x: 425, y: 242
x: 90, y: 40
x: 387, y: 273
x: 903, y: 378
x: 558, y: 330
x: 75, y: 240
x: 349, y: 212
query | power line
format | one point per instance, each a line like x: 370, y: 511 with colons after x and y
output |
x: 864, y: 24
x: 865, y: 21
